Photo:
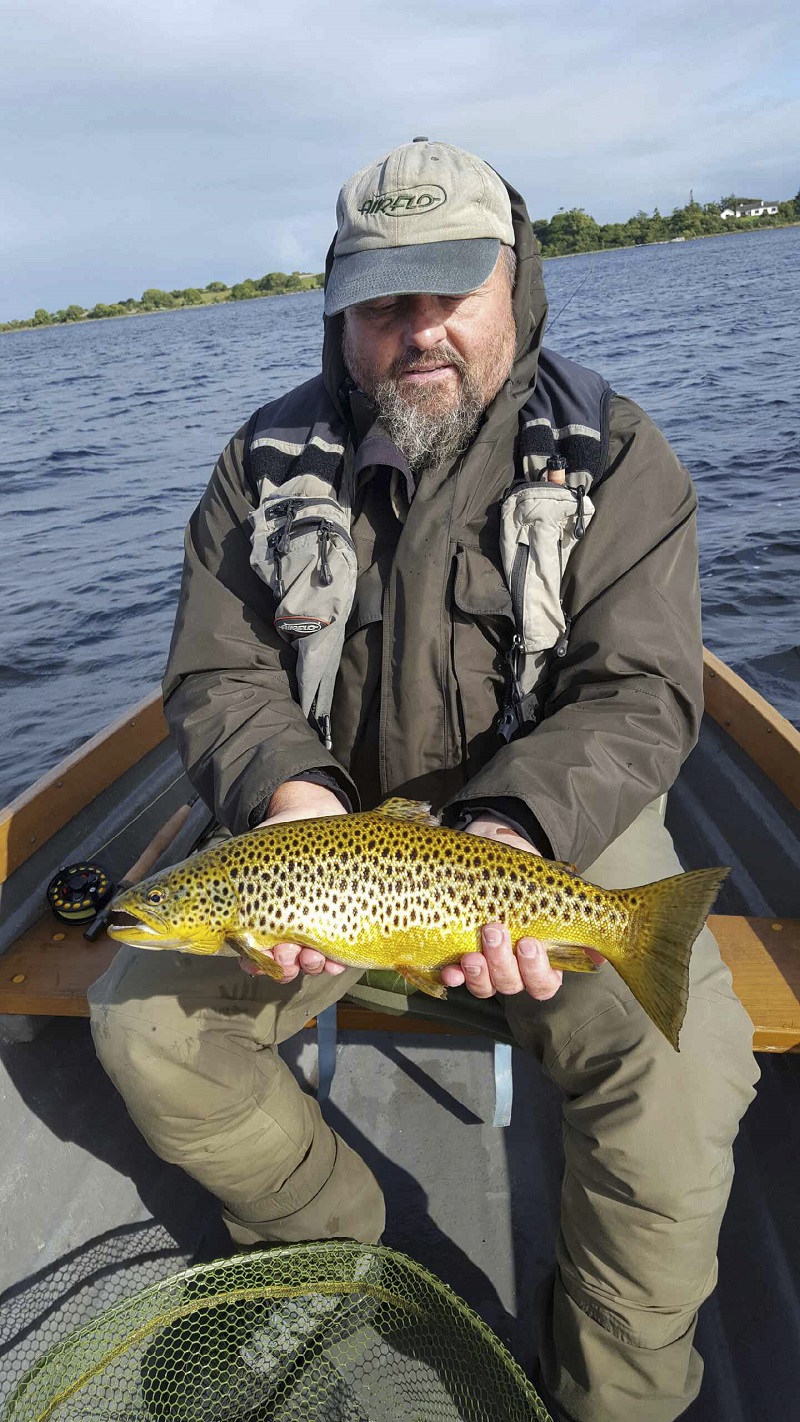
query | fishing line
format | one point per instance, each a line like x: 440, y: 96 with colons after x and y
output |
x: 552, y: 323
x: 149, y: 806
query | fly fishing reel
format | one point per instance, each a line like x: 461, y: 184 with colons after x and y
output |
x: 76, y: 894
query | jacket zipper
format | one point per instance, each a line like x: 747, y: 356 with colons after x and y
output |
x: 519, y: 573
x: 280, y: 540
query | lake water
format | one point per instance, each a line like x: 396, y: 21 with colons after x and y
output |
x: 108, y: 433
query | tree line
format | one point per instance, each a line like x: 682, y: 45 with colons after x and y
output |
x: 570, y: 231
x: 573, y: 230
x: 153, y: 299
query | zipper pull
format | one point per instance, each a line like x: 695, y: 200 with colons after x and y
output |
x: 513, y: 655
x: 580, y: 522
x: 325, y: 732
x: 273, y: 542
x: 563, y: 641
x: 324, y: 538
x: 506, y: 724
x: 509, y: 719
x: 286, y: 532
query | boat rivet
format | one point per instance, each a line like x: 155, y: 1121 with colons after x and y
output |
x: 59, y: 783
x: 58, y: 937
x: 18, y: 978
x: 33, y: 839
x: 777, y: 928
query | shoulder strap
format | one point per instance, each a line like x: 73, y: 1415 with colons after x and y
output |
x: 567, y: 415
x: 300, y: 433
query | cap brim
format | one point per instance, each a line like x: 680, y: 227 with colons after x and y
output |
x: 444, y: 268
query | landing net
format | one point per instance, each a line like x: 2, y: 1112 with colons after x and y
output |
x: 329, y: 1332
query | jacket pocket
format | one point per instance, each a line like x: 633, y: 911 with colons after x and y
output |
x: 482, y: 627
x: 540, y: 526
x: 368, y: 601
x: 302, y: 549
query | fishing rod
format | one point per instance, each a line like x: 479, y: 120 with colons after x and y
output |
x: 552, y: 323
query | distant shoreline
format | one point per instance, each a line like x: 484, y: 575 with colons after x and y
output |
x: 153, y: 311
x: 155, y: 302
x: 225, y: 298
x: 670, y: 241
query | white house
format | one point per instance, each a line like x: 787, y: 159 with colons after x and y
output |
x: 750, y: 207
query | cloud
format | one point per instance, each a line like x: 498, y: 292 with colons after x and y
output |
x: 173, y: 143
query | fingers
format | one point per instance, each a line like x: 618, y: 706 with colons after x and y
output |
x: 294, y: 959
x: 487, y: 827
x: 250, y: 968
x: 453, y: 975
x: 502, y: 971
x: 539, y: 979
x: 499, y: 969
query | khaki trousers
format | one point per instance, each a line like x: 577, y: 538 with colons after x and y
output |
x: 191, y: 1044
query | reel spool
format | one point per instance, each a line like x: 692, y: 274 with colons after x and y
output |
x: 76, y: 894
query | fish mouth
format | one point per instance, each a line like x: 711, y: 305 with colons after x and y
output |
x: 153, y: 932
x: 129, y: 928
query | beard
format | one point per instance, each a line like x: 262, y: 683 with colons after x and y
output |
x: 426, y: 423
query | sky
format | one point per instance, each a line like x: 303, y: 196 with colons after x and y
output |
x: 170, y: 143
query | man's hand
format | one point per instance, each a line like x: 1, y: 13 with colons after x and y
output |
x: 498, y: 968
x: 298, y: 800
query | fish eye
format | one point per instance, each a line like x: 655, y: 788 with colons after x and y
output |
x: 156, y: 896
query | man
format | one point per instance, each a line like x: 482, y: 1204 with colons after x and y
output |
x: 446, y: 465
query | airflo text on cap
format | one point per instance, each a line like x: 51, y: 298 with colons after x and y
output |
x: 425, y: 217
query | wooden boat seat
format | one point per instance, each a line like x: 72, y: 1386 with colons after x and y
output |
x: 48, y: 970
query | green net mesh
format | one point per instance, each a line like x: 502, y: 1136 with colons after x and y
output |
x: 329, y: 1332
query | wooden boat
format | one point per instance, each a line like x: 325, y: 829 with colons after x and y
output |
x: 736, y: 802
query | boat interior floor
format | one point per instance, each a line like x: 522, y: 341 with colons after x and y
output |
x: 91, y: 1214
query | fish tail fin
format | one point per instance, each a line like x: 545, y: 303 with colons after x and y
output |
x: 665, y: 919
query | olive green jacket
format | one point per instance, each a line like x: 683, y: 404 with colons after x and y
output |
x: 423, y: 671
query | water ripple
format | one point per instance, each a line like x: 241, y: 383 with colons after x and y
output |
x: 108, y: 433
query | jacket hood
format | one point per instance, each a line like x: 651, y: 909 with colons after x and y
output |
x: 530, y: 314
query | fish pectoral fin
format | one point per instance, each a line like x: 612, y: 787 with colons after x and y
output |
x: 418, y: 811
x: 423, y: 978
x: 570, y: 957
x: 254, y: 946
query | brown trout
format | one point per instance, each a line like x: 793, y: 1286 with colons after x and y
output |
x: 391, y: 888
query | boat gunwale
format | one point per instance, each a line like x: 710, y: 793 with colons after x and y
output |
x: 37, y: 813
x: 767, y: 737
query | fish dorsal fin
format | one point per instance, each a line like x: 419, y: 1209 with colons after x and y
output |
x: 418, y: 811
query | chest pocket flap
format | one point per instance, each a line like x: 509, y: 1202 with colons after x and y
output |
x: 538, y: 532
x: 368, y: 600
x: 480, y: 590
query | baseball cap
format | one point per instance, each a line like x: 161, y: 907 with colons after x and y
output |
x: 425, y: 217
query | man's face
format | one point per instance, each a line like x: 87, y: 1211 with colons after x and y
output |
x: 432, y: 364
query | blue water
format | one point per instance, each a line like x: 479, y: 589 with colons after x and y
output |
x: 108, y: 433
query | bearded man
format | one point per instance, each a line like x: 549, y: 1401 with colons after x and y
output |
x: 455, y: 567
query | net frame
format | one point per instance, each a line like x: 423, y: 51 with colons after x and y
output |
x: 385, y: 1283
